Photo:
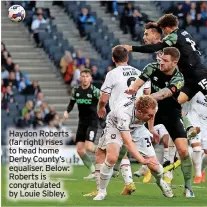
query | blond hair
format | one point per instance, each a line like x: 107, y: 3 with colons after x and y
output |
x: 143, y: 103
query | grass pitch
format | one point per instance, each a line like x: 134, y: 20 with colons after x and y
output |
x: 145, y: 195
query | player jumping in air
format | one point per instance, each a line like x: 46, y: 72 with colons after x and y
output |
x: 167, y: 81
x: 194, y: 72
x: 86, y: 96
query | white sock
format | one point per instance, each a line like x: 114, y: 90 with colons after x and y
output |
x: 97, y: 175
x: 105, y: 176
x: 197, y: 160
x: 126, y: 171
x: 166, y: 155
x: 204, y: 163
x: 158, y: 174
x: 172, y: 150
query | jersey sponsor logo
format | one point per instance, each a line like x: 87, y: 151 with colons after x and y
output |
x: 89, y: 95
x: 202, y: 103
x: 84, y: 101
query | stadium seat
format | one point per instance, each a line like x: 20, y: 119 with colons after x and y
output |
x: 106, y: 52
x: 191, y: 30
x: 20, y: 98
x: 12, y: 106
x: 48, y: 43
x: 67, y: 48
x: 43, y: 36
x: 57, y: 35
x: 30, y: 98
x: 93, y: 36
x: 203, y: 44
x: 52, y: 50
x: 100, y: 43
x: 203, y: 32
x: 57, y: 58
x: 89, y: 29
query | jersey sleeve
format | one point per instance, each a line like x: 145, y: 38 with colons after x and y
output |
x: 147, y: 72
x: 73, y: 93
x: 123, y: 121
x: 108, y: 84
x: 176, y: 83
x: 170, y: 39
x: 96, y: 92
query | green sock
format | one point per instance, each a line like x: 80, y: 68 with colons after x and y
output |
x: 122, y: 154
x: 186, y: 122
x: 186, y: 167
x: 88, y: 163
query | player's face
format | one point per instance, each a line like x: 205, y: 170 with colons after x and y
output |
x: 146, y: 115
x: 85, y: 79
x: 149, y: 37
x: 166, y: 63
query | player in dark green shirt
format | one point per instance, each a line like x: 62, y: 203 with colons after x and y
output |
x: 194, y: 72
x: 167, y: 81
x: 86, y: 96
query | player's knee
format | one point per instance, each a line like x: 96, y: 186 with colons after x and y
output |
x: 100, y: 156
x: 112, y: 158
x: 205, y: 151
x: 183, y: 152
x: 80, y: 151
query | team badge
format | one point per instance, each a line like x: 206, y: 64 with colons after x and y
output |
x: 77, y: 94
x: 89, y: 95
x: 179, y: 85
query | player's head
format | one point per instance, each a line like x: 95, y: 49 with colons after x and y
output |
x: 152, y: 33
x: 169, y: 59
x: 120, y: 55
x: 146, y: 108
x: 85, y: 77
x: 168, y: 23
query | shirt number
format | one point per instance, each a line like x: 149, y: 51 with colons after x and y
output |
x: 192, y: 43
x: 148, y: 142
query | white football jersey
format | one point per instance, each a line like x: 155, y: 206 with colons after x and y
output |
x: 117, y: 82
x: 197, y: 109
x: 123, y: 117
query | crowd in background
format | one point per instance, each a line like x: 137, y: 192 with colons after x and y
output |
x: 190, y: 13
x: 33, y: 113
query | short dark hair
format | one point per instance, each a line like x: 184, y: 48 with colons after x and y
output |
x: 153, y: 26
x: 173, y: 52
x: 120, y: 54
x: 86, y: 71
x: 167, y: 20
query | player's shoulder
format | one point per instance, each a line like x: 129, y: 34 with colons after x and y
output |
x: 94, y: 88
x: 76, y: 87
x: 153, y: 66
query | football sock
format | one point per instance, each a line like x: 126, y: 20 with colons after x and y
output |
x: 204, y: 163
x: 186, y: 122
x: 126, y: 171
x: 197, y: 160
x: 88, y: 163
x: 105, y: 176
x: 97, y: 175
x: 158, y: 174
x: 166, y: 155
x: 186, y: 167
x: 122, y: 154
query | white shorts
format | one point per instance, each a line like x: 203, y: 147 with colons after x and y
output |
x: 141, y: 137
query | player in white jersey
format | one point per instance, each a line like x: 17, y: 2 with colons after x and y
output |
x: 197, y: 114
x: 116, y: 82
x: 123, y: 119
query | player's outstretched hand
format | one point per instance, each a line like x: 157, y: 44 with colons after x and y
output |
x: 65, y: 115
x: 101, y: 112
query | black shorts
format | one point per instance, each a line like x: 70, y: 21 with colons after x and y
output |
x: 86, y: 132
x: 173, y: 123
x: 196, y: 83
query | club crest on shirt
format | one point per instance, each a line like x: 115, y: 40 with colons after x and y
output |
x: 155, y: 78
x: 179, y: 85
